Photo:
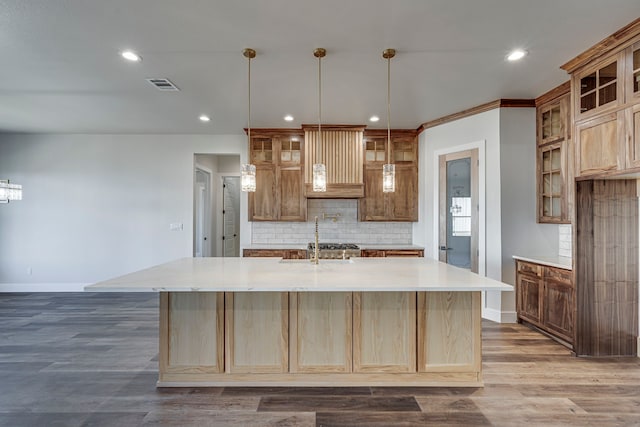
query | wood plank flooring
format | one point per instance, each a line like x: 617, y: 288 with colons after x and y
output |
x: 84, y: 359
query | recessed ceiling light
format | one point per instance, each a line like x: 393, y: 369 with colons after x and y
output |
x: 204, y: 118
x: 288, y: 118
x: 374, y: 118
x: 130, y: 55
x: 516, y: 55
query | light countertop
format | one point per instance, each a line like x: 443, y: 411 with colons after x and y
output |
x: 277, y: 275
x: 551, y: 261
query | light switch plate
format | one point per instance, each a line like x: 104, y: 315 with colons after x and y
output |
x: 175, y: 226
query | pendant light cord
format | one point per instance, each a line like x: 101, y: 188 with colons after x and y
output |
x: 318, y: 148
x: 389, y: 109
x: 249, y: 109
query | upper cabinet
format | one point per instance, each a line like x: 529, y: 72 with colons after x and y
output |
x: 401, y: 205
x: 279, y: 156
x: 554, y: 172
x: 605, y: 87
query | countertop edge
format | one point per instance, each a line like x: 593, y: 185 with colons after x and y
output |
x: 564, y: 263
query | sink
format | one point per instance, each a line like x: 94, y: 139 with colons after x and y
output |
x: 322, y: 261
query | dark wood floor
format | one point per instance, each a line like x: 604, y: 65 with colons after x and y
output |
x: 91, y: 360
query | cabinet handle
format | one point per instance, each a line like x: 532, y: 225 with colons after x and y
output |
x: 444, y: 248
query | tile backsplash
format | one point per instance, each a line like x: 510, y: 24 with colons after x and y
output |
x: 345, y: 229
x: 564, y: 240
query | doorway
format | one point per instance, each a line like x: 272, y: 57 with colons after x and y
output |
x: 231, y: 216
x: 202, y: 210
x: 458, y: 209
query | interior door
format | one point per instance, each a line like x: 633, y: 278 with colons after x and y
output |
x: 202, y: 229
x: 231, y: 216
x: 458, y: 206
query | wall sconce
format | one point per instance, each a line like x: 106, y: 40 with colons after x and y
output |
x: 9, y: 192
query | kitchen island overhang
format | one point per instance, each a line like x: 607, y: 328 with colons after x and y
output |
x: 274, y: 322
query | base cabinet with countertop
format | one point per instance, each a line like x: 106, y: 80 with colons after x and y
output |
x: 545, y: 298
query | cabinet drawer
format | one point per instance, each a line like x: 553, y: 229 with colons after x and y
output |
x: 404, y: 253
x: 558, y: 275
x: 529, y: 268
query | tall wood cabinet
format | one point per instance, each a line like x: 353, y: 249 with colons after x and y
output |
x: 401, y: 205
x: 605, y: 86
x: 279, y: 158
x: 554, y: 156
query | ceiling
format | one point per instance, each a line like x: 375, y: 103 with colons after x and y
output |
x: 61, y: 71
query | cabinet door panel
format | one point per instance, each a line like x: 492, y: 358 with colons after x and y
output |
x: 372, y: 206
x: 262, y: 202
x: 257, y: 332
x: 529, y: 296
x: 448, y: 329
x: 558, y: 309
x: 404, y: 201
x: 598, y: 147
x: 321, y: 331
x: 292, y: 201
x: 191, y: 338
x: 384, y: 332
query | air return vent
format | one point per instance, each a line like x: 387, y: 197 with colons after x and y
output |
x: 163, y: 84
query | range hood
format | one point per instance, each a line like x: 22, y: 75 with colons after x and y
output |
x: 342, y: 151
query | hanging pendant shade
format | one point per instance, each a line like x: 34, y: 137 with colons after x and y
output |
x: 319, y: 169
x: 389, y: 169
x: 248, y: 171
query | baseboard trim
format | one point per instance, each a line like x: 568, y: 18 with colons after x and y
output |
x: 42, y: 287
x: 499, y: 316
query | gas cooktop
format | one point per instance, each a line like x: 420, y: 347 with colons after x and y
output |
x: 333, y: 246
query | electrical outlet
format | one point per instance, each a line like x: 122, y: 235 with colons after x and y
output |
x: 176, y: 226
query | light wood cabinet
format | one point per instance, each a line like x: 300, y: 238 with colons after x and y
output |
x: 321, y: 332
x: 401, y: 205
x: 256, y: 332
x: 545, y: 298
x: 191, y: 332
x: 553, y: 172
x: 448, y: 332
x: 278, y: 156
x: 384, y: 332
x: 600, y: 145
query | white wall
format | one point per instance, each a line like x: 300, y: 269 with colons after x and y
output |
x: 510, y: 216
x: 521, y: 234
x: 98, y: 206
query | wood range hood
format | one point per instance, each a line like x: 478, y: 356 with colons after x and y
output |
x: 342, y: 151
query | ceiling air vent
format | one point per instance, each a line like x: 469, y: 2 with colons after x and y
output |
x: 163, y: 84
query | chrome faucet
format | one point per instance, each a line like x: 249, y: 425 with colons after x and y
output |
x: 317, y: 247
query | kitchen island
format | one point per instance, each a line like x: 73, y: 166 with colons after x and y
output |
x: 274, y: 322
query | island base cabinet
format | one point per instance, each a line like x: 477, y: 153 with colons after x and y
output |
x: 320, y: 339
x: 384, y: 329
x: 191, y: 332
x: 321, y: 331
x: 256, y: 332
x: 449, y: 331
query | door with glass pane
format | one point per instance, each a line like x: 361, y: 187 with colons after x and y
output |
x: 458, y: 191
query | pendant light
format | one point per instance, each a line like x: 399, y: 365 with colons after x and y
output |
x: 248, y: 171
x: 319, y: 169
x: 389, y: 169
